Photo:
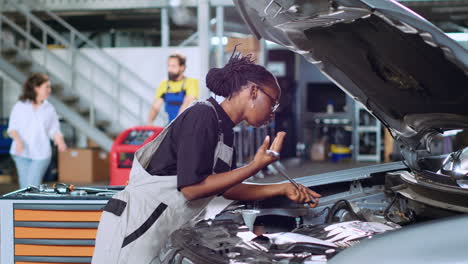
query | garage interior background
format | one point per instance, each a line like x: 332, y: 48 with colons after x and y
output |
x: 105, y: 59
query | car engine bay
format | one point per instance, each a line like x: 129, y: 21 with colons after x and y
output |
x: 279, y: 231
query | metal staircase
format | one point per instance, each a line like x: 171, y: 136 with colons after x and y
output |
x: 93, y: 91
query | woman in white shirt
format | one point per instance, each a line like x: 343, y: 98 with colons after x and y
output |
x: 33, y: 123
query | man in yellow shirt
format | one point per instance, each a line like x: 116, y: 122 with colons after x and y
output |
x: 177, y: 92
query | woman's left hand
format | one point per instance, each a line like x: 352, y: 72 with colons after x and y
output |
x: 262, y: 157
x: 303, y: 195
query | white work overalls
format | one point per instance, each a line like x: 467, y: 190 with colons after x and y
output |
x: 137, y: 221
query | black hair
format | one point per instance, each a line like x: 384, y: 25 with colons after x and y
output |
x: 29, y: 93
x: 236, y: 73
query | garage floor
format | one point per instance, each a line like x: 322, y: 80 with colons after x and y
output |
x: 295, y: 168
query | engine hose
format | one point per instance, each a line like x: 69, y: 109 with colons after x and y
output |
x: 339, y: 205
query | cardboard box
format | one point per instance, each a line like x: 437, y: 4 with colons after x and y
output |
x: 245, y: 46
x: 318, y: 150
x: 5, y: 179
x: 83, y: 166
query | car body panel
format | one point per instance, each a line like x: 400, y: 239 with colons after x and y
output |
x: 403, y: 69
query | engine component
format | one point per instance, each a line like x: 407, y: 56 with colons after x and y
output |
x: 456, y: 166
x: 342, y: 211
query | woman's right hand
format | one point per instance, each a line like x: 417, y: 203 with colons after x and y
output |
x: 301, y: 194
x: 62, y: 147
x: 262, y: 158
x: 19, y: 147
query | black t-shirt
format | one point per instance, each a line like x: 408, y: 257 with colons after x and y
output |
x: 189, y: 146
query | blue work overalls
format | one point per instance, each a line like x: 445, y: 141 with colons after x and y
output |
x: 173, y: 101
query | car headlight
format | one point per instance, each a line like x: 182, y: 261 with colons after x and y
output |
x: 456, y: 166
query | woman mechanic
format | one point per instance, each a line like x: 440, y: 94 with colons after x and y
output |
x: 175, y: 176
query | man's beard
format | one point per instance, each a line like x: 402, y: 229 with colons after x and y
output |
x: 173, y: 76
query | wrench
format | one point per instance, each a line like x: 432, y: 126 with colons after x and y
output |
x: 291, y: 180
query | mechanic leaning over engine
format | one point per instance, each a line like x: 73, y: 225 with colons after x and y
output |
x: 175, y: 176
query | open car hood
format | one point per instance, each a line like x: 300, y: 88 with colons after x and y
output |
x: 403, y: 69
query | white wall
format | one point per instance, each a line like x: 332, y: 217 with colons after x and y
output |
x: 149, y: 64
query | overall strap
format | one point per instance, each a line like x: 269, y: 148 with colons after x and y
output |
x: 182, y: 88
x: 144, y: 153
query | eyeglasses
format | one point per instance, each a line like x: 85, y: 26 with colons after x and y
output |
x: 275, y: 103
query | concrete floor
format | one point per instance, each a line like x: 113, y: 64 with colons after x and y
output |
x: 295, y: 168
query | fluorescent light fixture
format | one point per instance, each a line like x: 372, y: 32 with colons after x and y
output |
x: 175, y: 3
x: 215, y: 40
